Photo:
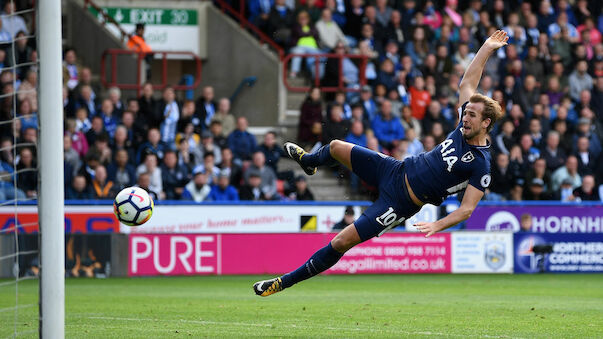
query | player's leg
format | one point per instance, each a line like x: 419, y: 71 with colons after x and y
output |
x: 319, y: 262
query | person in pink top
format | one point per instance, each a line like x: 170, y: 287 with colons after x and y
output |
x: 450, y: 10
x: 78, y: 139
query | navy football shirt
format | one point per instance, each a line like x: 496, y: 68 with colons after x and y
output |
x: 449, y: 168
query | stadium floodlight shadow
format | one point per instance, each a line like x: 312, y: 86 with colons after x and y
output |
x: 542, y: 251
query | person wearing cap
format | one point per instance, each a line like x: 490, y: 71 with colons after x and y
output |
x: 302, y: 192
x: 536, y: 191
x: 348, y: 218
x: 368, y: 103
x: 252, y: 190
x: 565, y: 192
x: 223, y: 191
x: 197, y: 189
x: 460, y: 164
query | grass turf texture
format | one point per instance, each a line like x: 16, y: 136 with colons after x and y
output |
x: 527, y: 306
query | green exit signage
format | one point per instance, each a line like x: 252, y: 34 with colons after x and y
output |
x: 150, y: 16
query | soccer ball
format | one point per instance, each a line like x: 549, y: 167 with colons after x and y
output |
x: 133, y: 206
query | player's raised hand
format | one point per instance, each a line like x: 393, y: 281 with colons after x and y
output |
x: 427, y: 227
x: 497, y: 40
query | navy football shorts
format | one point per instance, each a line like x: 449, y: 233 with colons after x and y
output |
x: 394, y: 204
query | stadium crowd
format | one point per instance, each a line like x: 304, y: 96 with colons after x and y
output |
x: 549, y: 81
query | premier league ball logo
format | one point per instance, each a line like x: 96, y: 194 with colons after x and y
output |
x: 495, y: 255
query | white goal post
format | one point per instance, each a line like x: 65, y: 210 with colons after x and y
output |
x: 50, y: 157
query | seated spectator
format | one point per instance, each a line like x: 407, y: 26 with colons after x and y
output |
x: 149, y: 115
x: 70, y: 155
x: 502, y: 178
x: 215, y: 128
x: 418, y: 47
x: 241, y: 142
x: 114, y: 95
x: 505, y: 140
x: 271, y: 150
x: 150, y: 167
x: 206, y: 107
x: 310, y: 118
x: 197, y: 189
x: 356, y: 135
x: 415, y: 147
x: 588, y: 191
x: 188, y: 132
x: 537, y: 170
x: 528, y: 151
x: 328, y: 30
x: 144, y: 182
x: 189, y: 116
x: 212, y: 171
x: 555, y: 29
x: 348, y: 72
x: 268, y: 183
x: 387, y: 129
x: 535, y: 130
x: 101, y: 150
x: 335, y: 127
x: 68, y: 101
x: 152, y: 145
x: 29, y: 118
x: 304, y: 39
x: 536, y: 191
x: 27, y: 173
x: 79, y: 189
x: 28, y: 90
x: 236, y: 173
x: 252, y: 189
x: 109, y: 119
x: 223, y: 191
x: 121, y: 141
x: 7, y: 189
x: 348, y: 218
x: 174, y: 176
x: 170, y: 111
x: 302, y: 192
x: 120, y: 171
x: 419, y: 98
x: 565, y: 192
x: 187, y: 157
x: 585, y: 129
x: 410, y: 122
x: 528, y: 96
x: 387, y: 75
x: 82, y: 123
x: 569, y: 171
x: 97, y: 129
x: 579, y: 80
x: 70, y: 64
x: 586, y: 161
x: 224, y: 116
x: 86, y: 101
x: 85, y: 79
x: 102, y: 187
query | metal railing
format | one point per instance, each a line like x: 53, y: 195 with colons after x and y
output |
x: 113, y: 53
x: 316, y: 81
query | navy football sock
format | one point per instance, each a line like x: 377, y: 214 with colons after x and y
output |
x: 321, y: 157
x: 320, y: 261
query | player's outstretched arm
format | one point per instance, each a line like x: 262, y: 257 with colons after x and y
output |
x: 470, y: 200
x: 473, y: 74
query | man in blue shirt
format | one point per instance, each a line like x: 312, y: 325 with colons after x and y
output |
x: 388, y: 129
x: 223, y: 191
x: 241, y: 142
x: 459, y: 163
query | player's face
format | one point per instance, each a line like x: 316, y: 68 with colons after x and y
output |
x: 473, y: 124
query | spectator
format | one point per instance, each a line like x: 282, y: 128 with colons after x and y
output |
x: 137, y: 43
x: 354, y: 19
x: 302, y: 192
x: 528, y: 96
x: 529, y: 152
x: 419, y: 98
x: 505, y: 140
x: 171, y: 113
x: 387, y: 129
x: 236, y: 173
x: 535, y: 130
x: 223, y: 191
x: 555, y: 30
x: 417, y: 48
x: 27, y: 173
x: 356, y: 135
x: 215, y: 127
x: 152, y: 145
x: 97, y: 129
x: 121, y: 141
x: 207, y: 146
x: 536, y: 191
x: 310, y: 118
x: 224, y: 116
x: 586, y: 161
x: 28, y: 90
x: 252, y: 190
x: 348, y: 72
x: 433, y: 116
x: 588, y: 191
x: 79, y: 189
x: 144, y: 182
x: 212, y: 171
x: 280, y: 20
x: 271, y: 150
x: 268, y: 182
x: 188, y: 133
x: 5, y: 36
x: 174, y: 176
x: 78, y: 140
x: 585, y: 129
x: 564, y: 192
x: 241, y: 142
x: 187, y: 157
x: 70, y: 65
x: 85, y: 79
x: 569, y: 171
x: 258, y: 12
x: 502, y: 179
x: 149, y: 114
x: 102, y: 187
x: 580, y: 80
x: 313, y: 7
x: 100, y: 150
x: 305, y: 40
x: 115, y: 98
x: 70, y: 156
x: 335, y: 127
x: 109, y: 119
x: 28, y: 118
x: 206, y: 107
x: 538, y: 170
x: 150, y: 167
x: 82, y: 123
x: 120, y: 171
x: 329, y: 32
x: 86, y: 101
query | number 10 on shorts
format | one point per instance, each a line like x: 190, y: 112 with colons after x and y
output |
x: 389, y: 220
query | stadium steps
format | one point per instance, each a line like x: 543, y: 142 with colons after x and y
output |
x: 324, y: 184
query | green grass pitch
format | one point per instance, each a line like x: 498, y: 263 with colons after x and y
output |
x: 458, y: 306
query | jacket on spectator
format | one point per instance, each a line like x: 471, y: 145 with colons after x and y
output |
x: 554, y: 160
x: 311, y: 112
x: 250, y: 193
x: 227, y: 121
x: 268, y: 185
x: 578, y: 83
x: 205, y: 111
x: 192, y: 192
x: 242, y: 144
x: 173, y: 178
x: 329, y: 34
x: 227, y: 194
x: 356, y: 139
x: 149, y: 113
x: 121, y: 177
x: 386, y: 131
x: 273, y: 155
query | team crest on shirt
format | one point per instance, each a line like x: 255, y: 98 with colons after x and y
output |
x: 485, y: 181
x: 468, y: 157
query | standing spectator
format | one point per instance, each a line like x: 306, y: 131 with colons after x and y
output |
x: 120, y: 171
x: 588, y: 191
x: 223, y: 191
x: 174, y: 176
x: 206, y: 106
x: 171, y: 113
x: 580, y: 80
x: 302, y: 192
x: 224, y: 116
x: 150, y: 166
x: 310, y: 118
x: 387, y: 129
x: 103, y: 188
x: 419, y: 98
x: 241, y: 142
x: 149, y: 114
x: 137, y: 43
x: 569, y: 171
x: 271, y: 150
x: 197, y: 189
x: 268, y: 182
x: 69, y: 64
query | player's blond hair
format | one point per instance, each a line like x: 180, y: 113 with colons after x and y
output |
x: 492, y: 109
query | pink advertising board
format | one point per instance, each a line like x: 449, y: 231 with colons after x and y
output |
x: 198, y: 254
